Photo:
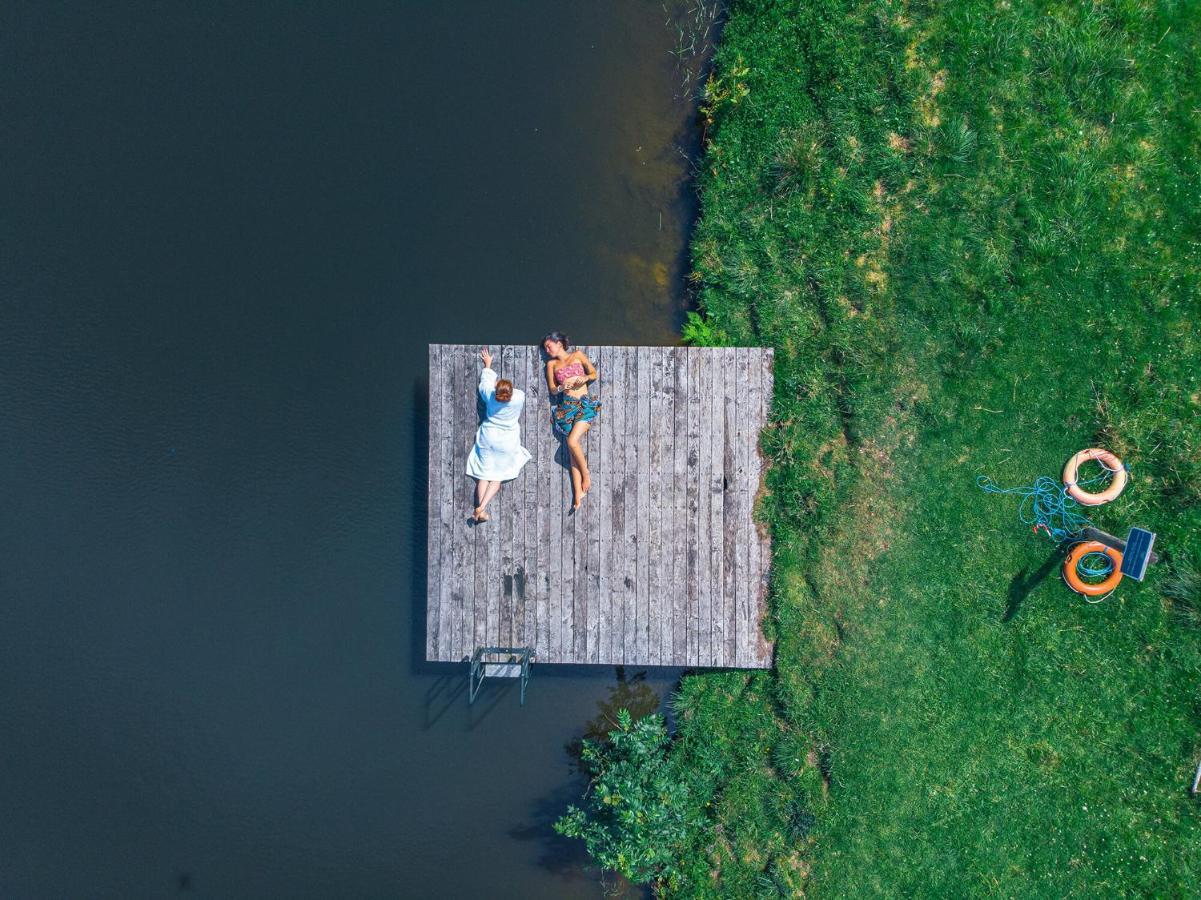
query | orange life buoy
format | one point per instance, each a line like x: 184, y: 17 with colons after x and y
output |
x: 1105, y: 458
x: 1072, y: 576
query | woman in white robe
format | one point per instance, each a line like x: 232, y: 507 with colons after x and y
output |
x: 497, y: 455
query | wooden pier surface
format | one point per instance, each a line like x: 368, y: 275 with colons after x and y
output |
x: 663, y: 564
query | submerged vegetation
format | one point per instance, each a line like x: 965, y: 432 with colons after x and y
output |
x: 970, y: 231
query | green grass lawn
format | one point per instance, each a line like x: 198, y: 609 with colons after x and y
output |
x: 971, y: 232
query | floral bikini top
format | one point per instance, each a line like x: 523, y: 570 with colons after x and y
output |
x: 571, y: 370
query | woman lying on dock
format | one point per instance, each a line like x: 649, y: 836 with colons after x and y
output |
x: 497, y: 455
x: 568, y: 373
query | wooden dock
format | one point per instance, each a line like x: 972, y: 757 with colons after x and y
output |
x: 663, y: 565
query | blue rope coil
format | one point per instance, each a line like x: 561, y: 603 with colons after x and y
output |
x: 1095, y: 565
x: 1046, y: 504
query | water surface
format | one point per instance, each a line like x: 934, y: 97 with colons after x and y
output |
x: 228, y: 234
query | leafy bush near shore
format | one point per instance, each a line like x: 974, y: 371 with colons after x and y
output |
x: 971, y: 232
x: 637, y: 811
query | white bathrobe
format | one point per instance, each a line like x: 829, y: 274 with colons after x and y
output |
x: 498, y: 454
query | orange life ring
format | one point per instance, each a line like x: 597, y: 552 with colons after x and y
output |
x: 1072, y: 576
x: 1105, y: 458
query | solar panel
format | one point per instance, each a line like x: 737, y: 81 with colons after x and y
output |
x: 1137, y: 553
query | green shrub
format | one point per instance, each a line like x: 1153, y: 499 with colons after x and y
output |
x: 637, y: 811
x: 700, y: 332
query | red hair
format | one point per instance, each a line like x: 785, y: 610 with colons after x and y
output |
x: 504, y: 390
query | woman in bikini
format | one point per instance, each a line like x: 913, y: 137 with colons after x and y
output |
x: 568, y: 373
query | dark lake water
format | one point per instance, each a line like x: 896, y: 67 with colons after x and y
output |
x: 227, y: 234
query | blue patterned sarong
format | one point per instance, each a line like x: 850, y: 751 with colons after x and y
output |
x: 570, y: 410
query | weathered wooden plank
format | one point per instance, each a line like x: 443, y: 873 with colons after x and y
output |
x: 555, y: 499
x: 705, y: 511
x: 634, y: 451
x: 566, y: 525
x: 446, y: 555
x: 500, y: 541
x: 656, y: 484
x: 715, y: 399
x: 738, y: 452
x: 711, y: 542
x: 525, y: 578
x: 452, y: 481
x: 595, y: 517
x: 761, y: 536
x: 755, y: 393
x: 617, y: 491
x: 613, y: 522
x: 695, y: 376
x: 730, y: 511
x: 514, y: 545
x: 477, y: 606
x: 599, y: 460
x: 708, y: 472
x: 680, y: 597
x: 551, y: 508
x: 742, y: 568
x: 464, y: 415
x: 544, y: 476
x: 615, y: 525
x: 479, y: 533
x: 584, y: 524
x: 619, y: 506
x: 433, y: 521
x: 491, y: 546
x: 664, y: 476
x: 577, y: 644
x: 642, y: 409
x: 605, y: 480
x: 704, y: 475
x: 566, y: 557
x: 752, y: 403
x: 459, y: 557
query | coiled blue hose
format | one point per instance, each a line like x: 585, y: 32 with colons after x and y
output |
x: 1046, y: 504
x: 1094, y: 565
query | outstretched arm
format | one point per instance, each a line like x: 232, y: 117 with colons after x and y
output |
x: 487, y: 384
x: 487, y: 377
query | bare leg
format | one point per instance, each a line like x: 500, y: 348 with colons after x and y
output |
x: 578, y: 461
x: 481, y: 486
x: 485, y: 491
x: 577, y: 493
x: 493, y: 490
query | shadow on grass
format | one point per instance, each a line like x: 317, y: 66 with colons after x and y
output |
x: 1021, y: 586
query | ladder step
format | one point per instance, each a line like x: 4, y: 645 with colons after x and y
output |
x: 502, y: 670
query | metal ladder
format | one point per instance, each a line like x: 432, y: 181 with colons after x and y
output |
x: 499, y: 662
